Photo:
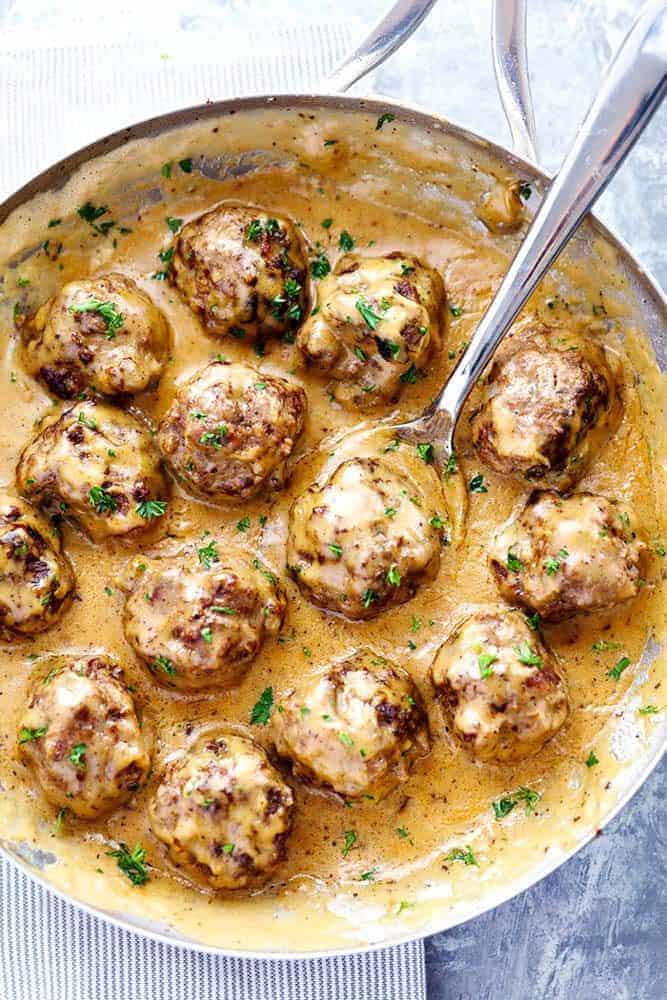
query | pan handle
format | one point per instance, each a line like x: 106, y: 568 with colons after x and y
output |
x: 510, y: 62
x: 388, y: 35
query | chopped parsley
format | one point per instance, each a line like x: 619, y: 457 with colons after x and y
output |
x: 77, y: 756
x: 485, y: 660
x: 174, y: 224
x: 346, y: 739
x: 164, y: 664
x: 527, y: 655
x: 350, y: 841
x: 619, y: 667
x: 551, y: 565
x: 393, y: 576
x: 409, y: 377
x: 87, y: 422
x: 592, y: 760
x: 648, y: 710
x: 214, y: 438
x: 514, y: 564
x: 369, y: 876
x: 425, y: 452
x: 336, y: 549
x: 456, y: 311
x: 525, y: 191
x: 102, y: 501
x: 27, y: 734
x: 243, y: 524
x: 148, y: 509
x: 603, y: 644
x: 452, y: 466
x: 327, y: 223
x: 320, y: 267
x: 533, y: 621
x: 384, y: 119
x: 476, y: 484
x: 208, y: 554
x: 370, y: 318
x: 113, y: 319
x: 91, y: 213
x: 261, y: 710
x: 186, y: 165
x: 504, y: 806
x: 345, y: 242
x: 131, y: 863
x: 463, y: 854
x: 370, y: 596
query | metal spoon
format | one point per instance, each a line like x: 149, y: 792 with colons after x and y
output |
x: 510, y: 62
x: 631, y: 92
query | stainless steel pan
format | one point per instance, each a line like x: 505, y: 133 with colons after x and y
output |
x: 650, y: 309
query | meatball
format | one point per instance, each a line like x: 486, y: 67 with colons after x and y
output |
x: 356, y: 729
x: 500, y: 686
x: 242, y: 271
x: 97, y: 464
x: 36, y: 579
x: 363, y: 541
x: 231, y: 429
x: 198, y: 619
x: 103, y: 332
x: 564, y: 556
x: 378, y: 320
x: 547, y: 408
x: 81, y: 735
x: 224, y: 812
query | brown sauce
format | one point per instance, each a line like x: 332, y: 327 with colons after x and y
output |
x: 391, y: 190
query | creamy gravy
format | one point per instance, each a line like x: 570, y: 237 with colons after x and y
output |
x: 395, y: 189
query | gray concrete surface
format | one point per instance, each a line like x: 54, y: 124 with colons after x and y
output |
x: 593, y: 930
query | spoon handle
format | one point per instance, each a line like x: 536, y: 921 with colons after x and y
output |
x: 510, y: 62
x: 388, y: 34
x: 631, y: 92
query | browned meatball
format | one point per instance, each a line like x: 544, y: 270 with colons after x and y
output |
x: 547, y: 408
x: 243, y: 271
x: 199, y: 618
x: 231, y: 429
x: 363, y: 541
x: 81, y: 735
x: 224, y: 812
x: 566, y: 555
x: 36, y: 579
x: 356, y: 729
x: 103, y: 332
x: 500, y: 686
x: 97, y: 464
x: 378, y: 320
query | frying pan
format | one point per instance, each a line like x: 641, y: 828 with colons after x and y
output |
x: 650, y: 313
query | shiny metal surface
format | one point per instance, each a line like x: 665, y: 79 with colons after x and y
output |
x: 631, y: 92
x: 653, y: 318
x: 652, y: 305
x: 510, y: 63
x: 388, y: 34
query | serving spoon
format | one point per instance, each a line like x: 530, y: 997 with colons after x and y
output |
x: 632, y: 90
